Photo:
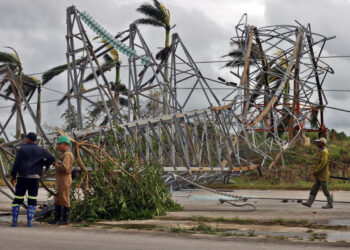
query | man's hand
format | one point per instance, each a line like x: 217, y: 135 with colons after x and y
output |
x: 13, y: 181
x: 54, y: 163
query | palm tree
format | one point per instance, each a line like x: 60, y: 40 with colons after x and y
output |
x: 111, y: 61
x: 276, y: 75
x: 276, y: 70
x: 237, y: 52
x: 28, y: 83
x: 159, y: 16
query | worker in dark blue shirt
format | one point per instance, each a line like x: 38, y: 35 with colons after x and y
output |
x: 25, y: 174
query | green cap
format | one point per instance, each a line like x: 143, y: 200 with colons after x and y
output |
x: 63, y: 139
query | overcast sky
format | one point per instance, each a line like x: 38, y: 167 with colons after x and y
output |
x: 36, y: 29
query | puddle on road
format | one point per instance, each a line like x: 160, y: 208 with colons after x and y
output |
x: 276, y: 235
x: 339, y: 222
x: 209, y: 197
x: 338, y: 236
x: 9, y: 218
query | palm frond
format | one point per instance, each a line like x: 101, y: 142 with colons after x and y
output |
x: 154, y: 12
x: 63, y: 99
x: 123, y: 101
x: 3, y: 68
x: 106, y: 66
x: 30, y: 81
x: 51, y: 73
x: 29, y: 85
x: 8, y: 58
x: 234, y: 54
x: 150, y: 21
x: 108, y: 58
x: 163, y: 53
x: 166, y: 13
x: 4, y: 81
x: 233, y: 64
x: 15, y: 54
x: 113, y: 51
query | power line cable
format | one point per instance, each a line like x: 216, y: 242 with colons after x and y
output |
x: 205, y: 62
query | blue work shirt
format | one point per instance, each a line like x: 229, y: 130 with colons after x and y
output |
x: 30, y: 160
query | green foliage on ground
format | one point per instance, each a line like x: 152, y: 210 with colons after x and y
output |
x: 117, y: 196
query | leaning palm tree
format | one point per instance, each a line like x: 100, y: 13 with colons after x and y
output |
x: 28, y: 83
x: 159, y: 16
x: 111, y: 61
x: 236, y: 54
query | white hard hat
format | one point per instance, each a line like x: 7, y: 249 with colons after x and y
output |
x: 323, y: 140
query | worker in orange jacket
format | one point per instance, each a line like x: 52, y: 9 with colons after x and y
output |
x: 63, y: 181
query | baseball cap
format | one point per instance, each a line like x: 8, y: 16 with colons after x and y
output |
x: 323, y: 140
x: 31, y: 136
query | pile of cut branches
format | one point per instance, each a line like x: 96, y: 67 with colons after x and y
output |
x: 118, y: 196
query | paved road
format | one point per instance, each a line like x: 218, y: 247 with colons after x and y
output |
x: 53, y: 237
x: 204, y: 203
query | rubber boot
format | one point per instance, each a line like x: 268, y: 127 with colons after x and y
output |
x: 58, y: 211
x: 329, y: 203
x: 66, y: 213
x: 30, y: 215
x: 15, y: 212
x: 309, y: 201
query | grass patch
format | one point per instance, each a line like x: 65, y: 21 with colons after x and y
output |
x: 127, y: 226
x: 296, y: 174
x: 243, y: 221
x: 279, y: 237
x: 266, y: 185
x: 316, y: 236
x: 176, y: 230
x: 82, y: 224
x: 230, y: 233
x: 137, y: 226
x: 251, y: 233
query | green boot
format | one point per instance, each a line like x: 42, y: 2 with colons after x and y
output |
x: 329, y: 203
x: 309, y: 201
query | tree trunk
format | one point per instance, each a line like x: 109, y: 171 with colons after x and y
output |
x: 166, y: 73
x: 18, y: 117
x: 117, y: 84
x: 38, y: 108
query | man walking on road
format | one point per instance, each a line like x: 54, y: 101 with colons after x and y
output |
x: 321, y: 173
x: 27, y: 169
x: 63, y: 181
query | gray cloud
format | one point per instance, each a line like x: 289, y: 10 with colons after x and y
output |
x: 327, y: 17
x: 37, y: 30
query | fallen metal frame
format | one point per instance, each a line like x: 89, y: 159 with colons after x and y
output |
x: 229, y: 135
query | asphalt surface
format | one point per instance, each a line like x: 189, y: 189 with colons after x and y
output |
x: 195, y: 203
x: 54, y: 237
